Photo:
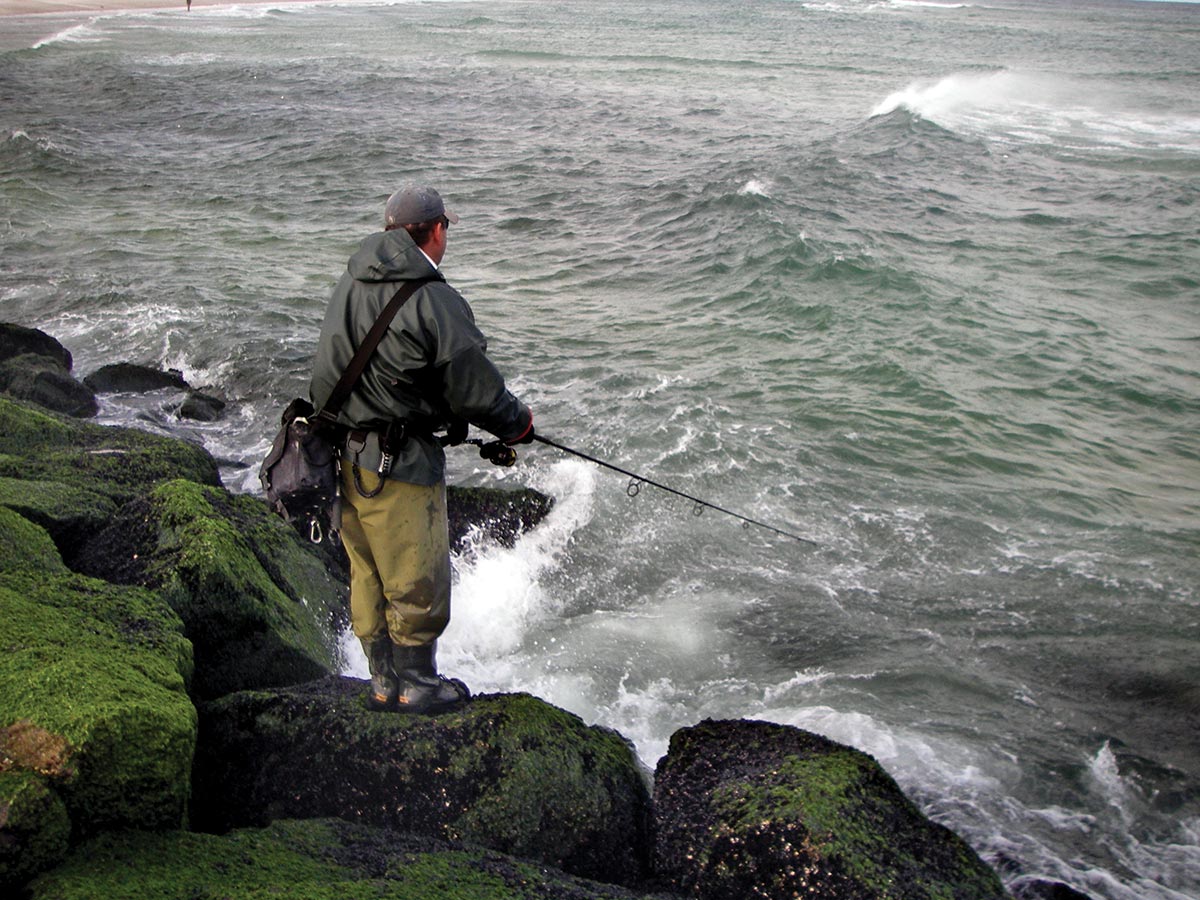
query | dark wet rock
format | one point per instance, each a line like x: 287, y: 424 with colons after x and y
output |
x: 499, y: 515
x: 753, y: 809
x: 508, y: 772
x: 17, y: 340
x: 201, y: 407
x: 293, y: 858
x: 41, y: 380
x: 134, y: 378
x: 259, y: 609
x: 36, y: 368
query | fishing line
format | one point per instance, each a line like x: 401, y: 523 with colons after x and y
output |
x: 636, y: 482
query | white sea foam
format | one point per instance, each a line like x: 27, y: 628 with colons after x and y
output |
x: 756, y: 188
x: 929, y: 4
x: 85, y: 33
x: 1044, y: 109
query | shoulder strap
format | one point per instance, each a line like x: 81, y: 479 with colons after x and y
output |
x: 363, y: 354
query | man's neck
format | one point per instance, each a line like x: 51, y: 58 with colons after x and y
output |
x: 431, y: 262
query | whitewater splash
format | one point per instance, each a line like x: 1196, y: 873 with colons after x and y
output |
x: 1028, y: 108
x: 85, y: 33
x: 756, y: 188
x: 499, y: 598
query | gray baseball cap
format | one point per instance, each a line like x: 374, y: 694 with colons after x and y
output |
x: 415, y: 203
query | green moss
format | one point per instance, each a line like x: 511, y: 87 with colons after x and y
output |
x: 104, y: 667
x: 824, y: 793
x: 24, y: 426
x: 65, y: 510
x: 34, y: 828
x: 311, y: 860
x: 117, y: 463
x: 546, y: 753
x: 252, y: 601
x: 27, y: 547
x: 845, y: 812
x: 503, y: 771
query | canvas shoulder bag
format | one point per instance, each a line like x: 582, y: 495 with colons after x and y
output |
x: 300, y: 472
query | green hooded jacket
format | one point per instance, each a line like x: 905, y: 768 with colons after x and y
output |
x: 430, y: 366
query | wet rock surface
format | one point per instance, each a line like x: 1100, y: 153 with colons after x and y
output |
x: 754, y: 809
x: 509, y: 772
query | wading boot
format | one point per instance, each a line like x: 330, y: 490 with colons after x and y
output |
x: 384, y: 686
x: 422, y: 689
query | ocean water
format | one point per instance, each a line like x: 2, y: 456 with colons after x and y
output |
x: 917, y: 281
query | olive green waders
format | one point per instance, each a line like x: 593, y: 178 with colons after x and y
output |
x: 399, y: 549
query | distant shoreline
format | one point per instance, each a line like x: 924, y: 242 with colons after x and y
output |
x: 92, y: 7
x: 29, y: 22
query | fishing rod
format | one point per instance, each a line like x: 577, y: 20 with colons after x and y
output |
x: 636, y: 482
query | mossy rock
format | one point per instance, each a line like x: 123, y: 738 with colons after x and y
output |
x: 509, y: 772
x: 259, y: 608
x: 34, y: 826
x: 27, y: 547
x: 93, y: 674
x: 304, y: 860
x: 116, y: 463
x: 70, y: 513
x: 753, y: 809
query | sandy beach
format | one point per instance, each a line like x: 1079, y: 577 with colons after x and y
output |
x: 26, y: 23
x: 85, y: 7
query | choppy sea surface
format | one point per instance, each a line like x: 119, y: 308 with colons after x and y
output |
x: 917, y: 281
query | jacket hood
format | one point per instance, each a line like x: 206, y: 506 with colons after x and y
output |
x: 388, y: 256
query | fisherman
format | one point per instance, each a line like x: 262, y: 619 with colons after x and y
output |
x: 430, y: 373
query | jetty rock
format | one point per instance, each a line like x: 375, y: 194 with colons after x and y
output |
x: 129, y: 377
x: 36, y: 368
x: 505, y: 771
x: 172, y: 725
x: 136, y: 378
x: 754, y: 809
x: 307, y: 859
x: 97, y: 731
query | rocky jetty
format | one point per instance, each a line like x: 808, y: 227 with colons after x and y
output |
x: 36, y: 368
x: 754, y: 809
x: 172, y: 725
x: 508, y: 772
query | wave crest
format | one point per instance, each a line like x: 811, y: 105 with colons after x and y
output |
x: 1042, y: 109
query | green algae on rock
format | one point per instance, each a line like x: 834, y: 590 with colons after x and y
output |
x: 118, y: 462
x: 117, y: 699
x: 27, y: 546
x: 103, y: 668
x: 69, y: 512
x: 34, y: 826
x: 749, y: 809
x: 304, y: 860
x: 509, y: 772
x: 260, y: 609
